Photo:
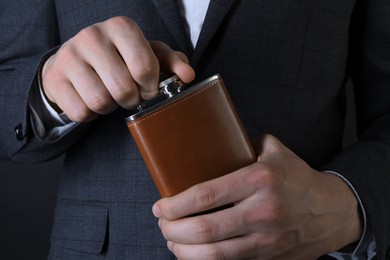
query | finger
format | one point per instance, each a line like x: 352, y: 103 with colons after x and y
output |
x: 112, y: 71
x: 137, y: 55
x: 70, y: 102
x: 256, y: 246
x: 256, y: 213
x: 235, y: 248
x: 90, y: 88
x: 173, y: 61
x: 206, y: 228
x: 205, y: 196
x: 61, y: 92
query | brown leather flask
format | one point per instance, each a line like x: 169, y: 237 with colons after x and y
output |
x: 190, y: 134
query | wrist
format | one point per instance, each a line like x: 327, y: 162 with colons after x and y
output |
x: 342, y: 203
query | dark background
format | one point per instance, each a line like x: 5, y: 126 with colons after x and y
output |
x: 27, y: 199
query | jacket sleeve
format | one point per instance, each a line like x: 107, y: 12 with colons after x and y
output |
x: 28, y: 32
x: 366, y: 164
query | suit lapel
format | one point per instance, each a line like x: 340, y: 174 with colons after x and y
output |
x: 216, y: 13
x: 170, y: 13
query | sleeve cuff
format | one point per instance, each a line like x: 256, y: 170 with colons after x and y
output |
x: 366, y: 247
x: 48, y: 123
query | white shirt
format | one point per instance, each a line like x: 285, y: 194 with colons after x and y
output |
x: 194, y: 12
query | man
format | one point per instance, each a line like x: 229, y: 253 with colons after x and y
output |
x: 71, y: 70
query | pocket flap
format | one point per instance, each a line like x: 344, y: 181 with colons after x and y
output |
x: 79, y: 227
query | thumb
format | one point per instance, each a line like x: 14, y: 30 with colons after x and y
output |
x: 173, y: 61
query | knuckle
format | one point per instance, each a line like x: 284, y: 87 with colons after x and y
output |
x: 79, y: 114
x: 144, y: 71
x: 270, y: 214
x: 206, y: 196
x: 118, y: 87
x: 266, y: 175
x: 75, y: 117
x: 270, y: 196
x: 66, y: 55
x: 89, y: 35
x: 148, y: 94
x: 131, y: 103
x: 122, y: 90
x: 214, y: 253
x: 253, y: 218
x: 261, y: 176
x: 143, y: 74
x: 125, y: 96
x: 98, y: 103
x: 87, y: 38
x: 122, y: 21
x: 204, y: 230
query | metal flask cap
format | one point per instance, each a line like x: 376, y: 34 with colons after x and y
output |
x: 167, y: 89
x: 170, y: 86
x: 170, y: 89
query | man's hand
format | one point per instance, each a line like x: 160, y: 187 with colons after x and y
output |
x: 283, y: 209
x: 106, y: 65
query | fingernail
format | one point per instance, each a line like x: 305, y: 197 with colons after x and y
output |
x: 159, y: 223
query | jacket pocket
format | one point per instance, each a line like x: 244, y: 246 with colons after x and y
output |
x: 79, y: 227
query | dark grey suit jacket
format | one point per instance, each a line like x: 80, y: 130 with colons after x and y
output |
x: 285, y: 63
